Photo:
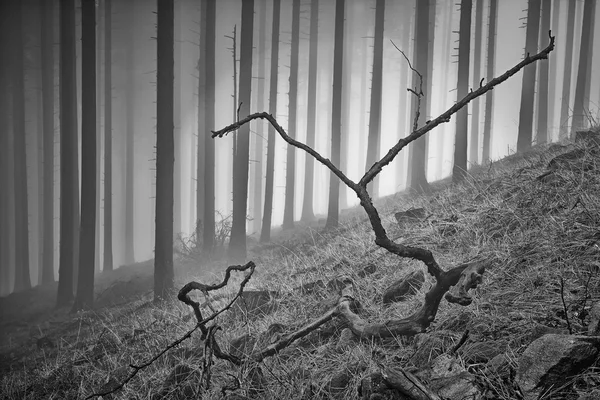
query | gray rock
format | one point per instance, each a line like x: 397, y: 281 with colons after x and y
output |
x: 404, y: 287
x: 552, y: 359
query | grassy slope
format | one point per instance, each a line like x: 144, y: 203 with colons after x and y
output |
x: 532, y: 235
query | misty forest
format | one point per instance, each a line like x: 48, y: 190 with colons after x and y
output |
x: 247, y: 199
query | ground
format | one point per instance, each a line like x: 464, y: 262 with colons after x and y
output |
x: 538, y: 235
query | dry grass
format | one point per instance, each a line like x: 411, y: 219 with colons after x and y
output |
x: 540, y: 241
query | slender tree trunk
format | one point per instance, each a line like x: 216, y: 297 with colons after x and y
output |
x: 47, y: 7
x: 311, y: 117
x: 237, y: 244
x: 447, y: 49
x: 208, y: 236
x: 566, y: 89
x: 553, y: 60
x: 200, y: 153
x: 68, y: 133
x: 542, y: 128
x: 581, y: 103
x: 403, y: 85
x: 108, y: 251
x: 265, y: 234
x: 22, y: 278
x: 527, y: 92
x: 489, y: 96
x: 333, y: 209
x: 99, y: 38
x: 260, y: 105
x: 418, y: 149
x: 165, y: 151
x: 474, y: 145
x: 376, y: 84
x: 177, y: 136
x: 290, y: 169
x: 129, y: 245
x: 459, y: 170
x: 85, y: 285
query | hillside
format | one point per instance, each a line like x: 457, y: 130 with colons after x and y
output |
x: 533, y: 221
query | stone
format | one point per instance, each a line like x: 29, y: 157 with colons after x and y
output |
x: 401, y: 289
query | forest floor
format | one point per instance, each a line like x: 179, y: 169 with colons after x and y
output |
x: 539, y: 240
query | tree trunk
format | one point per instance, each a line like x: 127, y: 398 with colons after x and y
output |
x: 290, y: 165
x: 403, y: 111
x: 68, y: 133
x: 581, y: 103
x: 418, y: 151
x: 108, y: 251
x: 333, y: 209
x: 553, y: 60
x: 177, y: 68
x: 6, y: 160
x: 99, y: 47
x: 47, y: 7
x: 22, y: 278
x: 265, y: 233
x: 85, y: 285
x: 237, y: 244
x: 129, y: 246
x: 311, y: 116
x: 566, y: 89
x: 374, y: 141
x: 208, y: 236
x: 163, y: 257
x: 543, y: 82
x: 489, y: 96
x: 260, y: 105
x: 474, y: 145
x: 200, y: 153
x: 528, y: 89
x: 459, y: 169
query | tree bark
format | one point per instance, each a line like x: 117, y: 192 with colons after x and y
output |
x: 581, y: 103
x: 290, y: 165
x: 489, y: 96
x: 208, y: 236
x: 68, y: 133
x: 237, y: 244
x: 85, y: 285
x: 257, y: 195
x: 165, y: 151
x: 543, y: 82
x: 566, y: 89
x: 47, y: 7
x: 374, y: 140
x: 525, y: 135
x: 333, y: 209
x: 474, y: 145
x: 265, y: 233
x: 200, y: 152
x: 311, y: 116
x: 129, y: 246
x: 108, y: 249
x: 459, y: 169
x: 418, y: 150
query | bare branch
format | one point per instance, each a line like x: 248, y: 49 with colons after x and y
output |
x: 264, y: 115
x: 445, y: 117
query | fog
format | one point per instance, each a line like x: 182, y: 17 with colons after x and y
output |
x: 134, y: 105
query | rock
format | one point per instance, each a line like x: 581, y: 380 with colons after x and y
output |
x: 451, y: 381
x: 404, y: 287
x: 256, y: 303
x: 410, y: 215
x: 482, y: 352
x: 499, y: 366
x: 428, y: 346
x: 594, y: 326
x: 552, y: 359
